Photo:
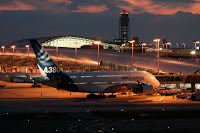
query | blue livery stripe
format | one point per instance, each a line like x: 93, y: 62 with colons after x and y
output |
x: 45, y: 62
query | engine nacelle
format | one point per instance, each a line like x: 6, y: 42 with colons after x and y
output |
x: 147, y: 89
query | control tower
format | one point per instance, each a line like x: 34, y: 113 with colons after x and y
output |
x: 124, y: 27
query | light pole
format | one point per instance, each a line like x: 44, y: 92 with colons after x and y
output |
x: 158, y: 40
x: 27, y: 46
x: 13, y: 47
x: 57, y: 53
x: 122, y: 46
x: 76, y: 55
x: 196, y: 42
x: 3, y: 48
x: 184, y: 46
x: 132, y: 42
x: 156, y: 46
x: 143, y: 44
x: 177, y: 47
x: 168, y: 43
x: 97, y: 43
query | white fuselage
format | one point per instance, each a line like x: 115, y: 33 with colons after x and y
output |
x: 96, y: 82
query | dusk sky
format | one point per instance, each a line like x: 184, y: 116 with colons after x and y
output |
x: 177, y: 20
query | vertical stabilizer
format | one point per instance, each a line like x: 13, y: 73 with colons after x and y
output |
x: 50, y: 71
x: 47, y: 66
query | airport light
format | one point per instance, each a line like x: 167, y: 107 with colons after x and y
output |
x: 169, y: 43
x: 3, y: 48
x: 192, y: 52
x: 97, y: 43
x: 13, y: 47
x: 27, y: 46
x: 132, y: 42
x: 184, y: 45
x: 143, y: 44
x: 122, y: 46
x: 177, y: 47
x: 158, y: 40
x: 196, y: 42
x: 76, y: 55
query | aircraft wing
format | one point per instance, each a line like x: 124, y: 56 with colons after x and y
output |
x: 27, y: 79
x: 21, y: 79
x: 135, y: 87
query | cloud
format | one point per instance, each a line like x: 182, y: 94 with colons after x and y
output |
x: 44, y: 5
x: 58, y: 6
x: 159, y: 7
x: 92, y: 8
x: 61, y: 1
x: 16, y: 5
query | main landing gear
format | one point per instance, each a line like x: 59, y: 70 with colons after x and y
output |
x: 36, y: 85
x: 112, y: 96
x: 101, y: 95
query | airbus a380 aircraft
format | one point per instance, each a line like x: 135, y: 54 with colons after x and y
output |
x: 91, y: 82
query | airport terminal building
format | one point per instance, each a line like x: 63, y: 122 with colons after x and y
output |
x: 68, y: 42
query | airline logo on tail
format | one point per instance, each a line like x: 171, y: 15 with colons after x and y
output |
x: 47, y: 66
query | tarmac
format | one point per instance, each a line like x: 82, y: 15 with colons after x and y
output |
x: 46, y: 109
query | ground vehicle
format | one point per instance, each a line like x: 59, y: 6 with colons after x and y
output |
x: 183, y: 95
x: 186, y: 89
x: 2, y: 86
x: 195, y: 96
x: 168, y: 91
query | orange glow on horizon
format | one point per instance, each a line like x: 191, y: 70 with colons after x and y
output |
x: 67, y: 59
x: 164, y: 7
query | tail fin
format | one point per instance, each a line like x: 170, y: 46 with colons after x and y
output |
x: 47, y: 66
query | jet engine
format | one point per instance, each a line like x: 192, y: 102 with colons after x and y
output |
x: 143, y: 88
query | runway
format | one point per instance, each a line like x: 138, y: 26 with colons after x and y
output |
x: 25, y: 110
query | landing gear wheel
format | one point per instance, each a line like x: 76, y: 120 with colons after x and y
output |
x: 140, y: 90
x: 39, y: 86
x: 36, y: 86
x: 96, y: 96
x: 135, y: 91
x: 112, y: 96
